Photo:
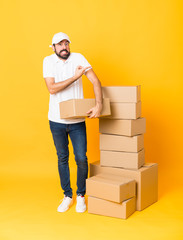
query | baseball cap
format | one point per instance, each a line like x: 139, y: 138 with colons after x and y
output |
x: 59, y: 37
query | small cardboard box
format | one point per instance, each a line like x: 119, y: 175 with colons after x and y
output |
x: 121, y: 143
x: 78, y: 108
x: 122, y: 159
x: 146, y: 179
x: 122, y: 127
x: 111, y: 209
x: 122, y: 93
x: 110, y: 187
x: 125, y: 110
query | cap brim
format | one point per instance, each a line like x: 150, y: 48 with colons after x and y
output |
x: 60, y: 41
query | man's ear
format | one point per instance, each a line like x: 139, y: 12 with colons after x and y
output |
x: 53, y: 48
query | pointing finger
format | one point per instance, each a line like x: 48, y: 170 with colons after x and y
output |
x: 87, y: 67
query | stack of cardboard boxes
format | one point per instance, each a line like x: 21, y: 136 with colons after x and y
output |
x: 121, y: 182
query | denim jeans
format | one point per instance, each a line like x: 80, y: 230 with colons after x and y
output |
x: 77, y: 133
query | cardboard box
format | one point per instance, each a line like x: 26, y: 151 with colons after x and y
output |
x: 122, y: 159
x: 111, y: 209
x: 122, y: 127
x: 122, y: 93
x: 121, y: 143
x: 125, y: 110
x: 78, y: 108
x: 110, y: 187
x: 146, y: 179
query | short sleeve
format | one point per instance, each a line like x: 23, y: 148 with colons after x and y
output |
x: 47, y: 68
x: 85, y: 63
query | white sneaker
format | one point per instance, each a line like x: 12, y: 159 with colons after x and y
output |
x: 81, y: 205
x: 66, y: 203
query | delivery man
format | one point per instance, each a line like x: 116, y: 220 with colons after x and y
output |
x: 63, y: 72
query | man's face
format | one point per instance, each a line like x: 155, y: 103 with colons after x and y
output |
x: 62, y: 49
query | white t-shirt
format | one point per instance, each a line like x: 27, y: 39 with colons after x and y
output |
x: 60, y: 70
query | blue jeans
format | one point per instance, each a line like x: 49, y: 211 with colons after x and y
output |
x: 77, y: 133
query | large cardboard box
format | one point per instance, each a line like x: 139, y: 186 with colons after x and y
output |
x: 122, y: 93
x: 121, y: 143
x: 78, y: 108
x: 122, y: 159
x: 146, y: 179
x: 107, y: 208
x: 122, y: 127
x: 110, y: 187
x: 120, y: 110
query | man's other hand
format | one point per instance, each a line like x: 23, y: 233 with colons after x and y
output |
x: 95, y: 111
x: 80, y: 71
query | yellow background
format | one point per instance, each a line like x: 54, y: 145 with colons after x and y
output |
x: 128, y: 43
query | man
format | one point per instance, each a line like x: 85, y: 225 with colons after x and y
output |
x: 63, y: 72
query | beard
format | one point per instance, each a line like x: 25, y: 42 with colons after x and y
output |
x: 64, y: 55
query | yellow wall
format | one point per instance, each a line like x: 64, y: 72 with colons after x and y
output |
x: 127, y: 43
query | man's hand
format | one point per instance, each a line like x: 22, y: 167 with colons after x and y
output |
x: 95, y: 111
x: 80, y: 71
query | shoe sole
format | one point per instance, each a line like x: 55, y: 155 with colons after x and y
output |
x: 63, y: 210
x: 81, y: 211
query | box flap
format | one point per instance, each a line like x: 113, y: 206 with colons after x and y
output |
x: 149, y: 164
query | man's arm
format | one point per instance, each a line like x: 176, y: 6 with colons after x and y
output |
x: 57, y: 87
x: 95, y: 111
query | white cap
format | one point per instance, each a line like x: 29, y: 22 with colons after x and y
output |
x: 58, y: 37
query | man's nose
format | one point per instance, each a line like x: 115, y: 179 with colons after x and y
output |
x: 64, y: 46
